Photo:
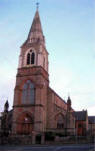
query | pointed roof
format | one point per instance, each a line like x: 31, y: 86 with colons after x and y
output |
x: 69, y: 100
x: 36, y: 33
x: 36, y: 25
x: 6, y: 106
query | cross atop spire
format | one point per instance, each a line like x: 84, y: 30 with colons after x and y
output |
x: 37, y: 4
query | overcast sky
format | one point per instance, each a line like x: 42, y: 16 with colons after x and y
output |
x: 69, y: 29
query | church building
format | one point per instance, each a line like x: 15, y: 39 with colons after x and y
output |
x: 38, y: 109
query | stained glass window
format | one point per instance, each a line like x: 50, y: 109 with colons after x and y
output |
x: 28, y: 93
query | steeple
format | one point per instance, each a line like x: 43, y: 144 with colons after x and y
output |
x: 32, y: 82
x: 33, y: 51
x: 36, y: 33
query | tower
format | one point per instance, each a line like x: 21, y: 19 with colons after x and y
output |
x: 30, y: 93
x: 68, y: 104
x: 70, y: 120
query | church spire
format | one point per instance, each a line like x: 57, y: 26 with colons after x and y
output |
x: 36, y: 32
x: 33, y: 51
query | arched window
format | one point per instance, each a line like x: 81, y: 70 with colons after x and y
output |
x: 28, y: 93
x: 30, y: 58
x: 25, y: 124
x: 24, y: 93
x: 60, y: 122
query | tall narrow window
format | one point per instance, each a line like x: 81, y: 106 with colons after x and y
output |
x: 24, y: 93
x: 60, y: 122
x: 32, y: 58
x: 44, y: 62
x: 28, y: 58
x: 28, y: 93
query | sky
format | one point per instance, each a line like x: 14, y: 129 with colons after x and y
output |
x: 69, y: 29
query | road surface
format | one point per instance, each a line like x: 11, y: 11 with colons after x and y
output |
x: 49, y: 148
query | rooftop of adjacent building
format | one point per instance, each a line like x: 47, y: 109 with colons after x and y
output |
x: 91, y: 119
x: 80, y: 115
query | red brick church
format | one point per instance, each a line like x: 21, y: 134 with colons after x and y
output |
x: 37, y: 109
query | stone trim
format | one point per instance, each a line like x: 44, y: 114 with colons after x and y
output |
x: 29, y: 105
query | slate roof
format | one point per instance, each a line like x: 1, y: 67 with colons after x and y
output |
x: 91, y: 119
x: 80, y: 115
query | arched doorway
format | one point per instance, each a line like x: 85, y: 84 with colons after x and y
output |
x: 25, y: 124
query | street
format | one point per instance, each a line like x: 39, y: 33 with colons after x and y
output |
x: 49, y: 148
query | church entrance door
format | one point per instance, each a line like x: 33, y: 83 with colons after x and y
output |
x: 38, y: 139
